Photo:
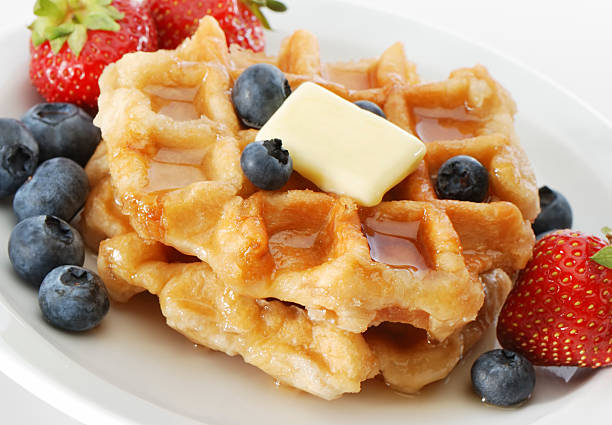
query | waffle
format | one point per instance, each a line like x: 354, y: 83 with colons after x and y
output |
x: 278, y: 338
x: 316, y: 283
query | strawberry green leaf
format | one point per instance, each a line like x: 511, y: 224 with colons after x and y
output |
x: 260, y: 17
x: 276, y: 6
x: 57, y: 43
x: 69, y: 20
x: 55, y: 10
x: 37, y: 39
x: 60, y: 31
x: 604, y: 257
x: 255, y: 5
x: 38, y: 28
x: 606, y: 230
x: 100, y: 21
x: 114, y: 13
x: 77, y: 39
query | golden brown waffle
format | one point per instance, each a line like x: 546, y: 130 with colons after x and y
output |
x: 280, y: 338
x: 198, y: 307
x: 413, y: 264
x: 101, y: 218
x: 130, y: 265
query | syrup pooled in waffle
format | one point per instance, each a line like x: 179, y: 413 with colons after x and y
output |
x: 411, y: 272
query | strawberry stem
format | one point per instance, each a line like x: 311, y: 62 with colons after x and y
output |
x: 255, y: 7
x: 604, y: 257
x: 61, y: 21
x: 608, y: 233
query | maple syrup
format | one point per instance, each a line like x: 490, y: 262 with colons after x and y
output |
x: 179, y: 111
x: 444, y: 124
x: 394, y: 243
x: 173, y: 102
x: 295, y: 249
x: 175, y: 168
x: 181, y: 94
x: 293, y: 239
x: 180, y: 156
x: 349, y: 78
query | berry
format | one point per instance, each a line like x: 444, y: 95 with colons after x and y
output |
x: 371, y: 106
x: 62, y: 129
x: 555, y: 212
x: 462, y: 178
x: 503, y: 378
x: 559, y: 312
x: 266, y: 164
x: 542, y: 235
x: 241, y: 20
x: 18, y: 155
x: 39, y: 244
x: 59, y: 187
x: 73, y: 298
x: 73, y: 41
x: 259, y: 91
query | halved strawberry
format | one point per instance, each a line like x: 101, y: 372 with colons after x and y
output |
x: 241, y: 20
x: 74, y: 40
x: 560, y: 311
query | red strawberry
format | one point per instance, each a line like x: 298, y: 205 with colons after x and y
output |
x: 560, y: 311
x: 241, y: 20
x: 74, y: 40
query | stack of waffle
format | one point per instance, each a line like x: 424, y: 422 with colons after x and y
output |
x: 313, y: 289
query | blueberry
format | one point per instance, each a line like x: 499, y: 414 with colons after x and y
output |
x: 59, y: 187
x: 18, y: 155
x: 39, y: 244
x: 266, y: 164
x: 555, y: 211
x: 259, y: 91
x: 73, y: 298
x: 62, y: 129
x: 462, y: 178
x: 371, y: 106
x: 503, y: 377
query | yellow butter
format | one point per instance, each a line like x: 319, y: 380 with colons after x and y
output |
x: 340, y: 147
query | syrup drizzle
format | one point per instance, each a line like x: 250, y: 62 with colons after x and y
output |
x: 295, y: 249
x: 444, y: 124
x: 180, y: 94
x: 394, y: 243
x: 351, y: 79
x: 179, y: 111
x: 173, y: 102
x: 293, y: 239
x: 180, y: 156
x: 175, y: 168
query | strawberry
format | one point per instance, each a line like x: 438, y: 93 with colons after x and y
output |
x: 560, y: 311
x: 241, y: 20
x: 73, y: 41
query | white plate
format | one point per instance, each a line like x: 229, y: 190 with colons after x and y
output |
x: 133, y: 369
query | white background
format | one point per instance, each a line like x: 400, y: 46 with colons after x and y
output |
x: 568, y: 41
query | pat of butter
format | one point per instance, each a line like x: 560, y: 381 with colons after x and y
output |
x: 340, y: 147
